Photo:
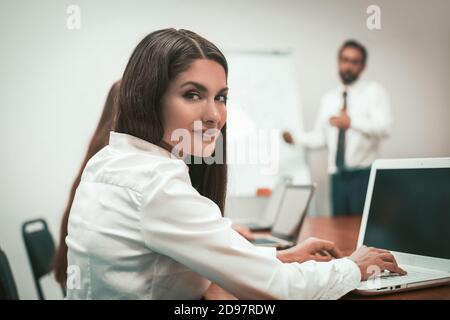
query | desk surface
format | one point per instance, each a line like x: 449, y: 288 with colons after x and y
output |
x: 344, y: 232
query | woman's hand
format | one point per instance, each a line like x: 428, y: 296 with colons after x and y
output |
x: 310, y: 249
x: 244, y: 231
x: 372, y: 261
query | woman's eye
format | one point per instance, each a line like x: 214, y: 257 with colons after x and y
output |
x: 192, y: 96
x: 222, y: 98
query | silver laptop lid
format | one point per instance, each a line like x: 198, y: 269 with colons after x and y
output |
x: 407, y: 211
x: 271, y: 209
x: 293, y: 208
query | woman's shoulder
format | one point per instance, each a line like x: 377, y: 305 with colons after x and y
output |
x: 135, y: 170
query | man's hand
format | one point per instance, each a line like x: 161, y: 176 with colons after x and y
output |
x: 244, y: 231
x: 342, y: 121
x: 369, y: 259
x: 287, y: 137
x: 310, y: 249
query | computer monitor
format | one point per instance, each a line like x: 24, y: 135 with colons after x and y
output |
x: 292, y: 211
x: 409, y: 211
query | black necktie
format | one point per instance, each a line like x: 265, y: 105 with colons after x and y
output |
x: 340, y: 152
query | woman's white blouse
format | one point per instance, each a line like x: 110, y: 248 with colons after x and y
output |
x: 139, y: 230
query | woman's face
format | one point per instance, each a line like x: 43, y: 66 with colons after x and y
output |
x: 194, y: 108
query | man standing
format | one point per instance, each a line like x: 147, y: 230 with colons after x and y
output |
x: 352, y: 121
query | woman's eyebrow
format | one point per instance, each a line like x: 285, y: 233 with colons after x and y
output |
x: 224, y: 90
x: 197, y: 85
x: 200, y: 87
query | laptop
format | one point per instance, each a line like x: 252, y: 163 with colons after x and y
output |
x: 290, y: 216
x: 267, y: 219
x: 407, y: 211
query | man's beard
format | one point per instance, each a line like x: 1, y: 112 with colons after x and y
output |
x: 348, y: 77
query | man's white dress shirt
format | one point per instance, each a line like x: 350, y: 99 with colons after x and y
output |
x: 139, y: 230
x: 369, y: 109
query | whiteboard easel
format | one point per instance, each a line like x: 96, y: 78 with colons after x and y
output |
x: 264, y: 100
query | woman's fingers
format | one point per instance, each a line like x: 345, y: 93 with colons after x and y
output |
x: 390, y: 260
x: 388, y: 257
x: 393, y: 267
x: 328, y: 246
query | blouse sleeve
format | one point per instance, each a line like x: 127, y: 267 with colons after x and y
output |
x: 178, y: 222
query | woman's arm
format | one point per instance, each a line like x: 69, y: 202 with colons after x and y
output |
x: 178, y: 222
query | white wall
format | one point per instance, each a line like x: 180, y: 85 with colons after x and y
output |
x: 54, y: 81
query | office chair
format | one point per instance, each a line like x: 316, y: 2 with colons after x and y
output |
x: 8, y: 289
x: 40, y: 248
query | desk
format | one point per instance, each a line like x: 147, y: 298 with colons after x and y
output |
x: 344, y: 232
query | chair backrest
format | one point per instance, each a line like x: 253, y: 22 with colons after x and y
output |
x: 40, y: 248
x: 8, y: 289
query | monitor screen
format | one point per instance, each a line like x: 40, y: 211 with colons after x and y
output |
x: 410, y: 212
x: 291, y: 210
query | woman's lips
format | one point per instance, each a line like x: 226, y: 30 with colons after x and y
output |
x: 207, y: 135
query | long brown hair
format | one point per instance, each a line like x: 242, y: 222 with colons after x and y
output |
x: 98, y: 141
x: 156, y: 61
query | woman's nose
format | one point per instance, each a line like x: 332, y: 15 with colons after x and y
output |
x: 211, y: 114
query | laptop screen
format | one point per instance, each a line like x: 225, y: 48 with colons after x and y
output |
x: 291, y: 210
x: 410, y: 212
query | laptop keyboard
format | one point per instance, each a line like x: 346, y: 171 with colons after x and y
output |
x: 412, y: 276
x: 387, y: 279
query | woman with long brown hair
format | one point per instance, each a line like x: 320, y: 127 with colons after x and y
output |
x: 147, y: 217
x: 99, y: 140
